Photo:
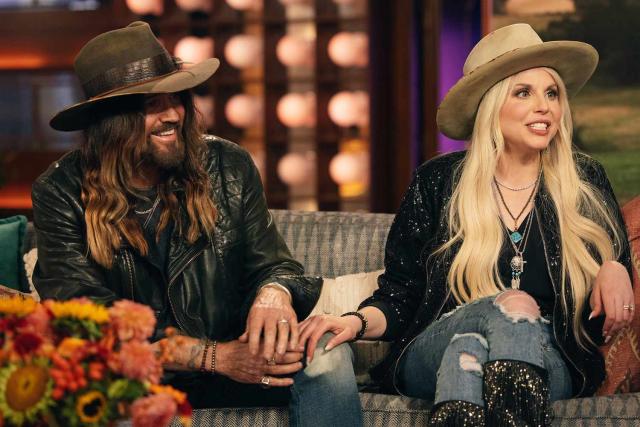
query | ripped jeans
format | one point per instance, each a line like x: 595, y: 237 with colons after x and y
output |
x: 445, y: 361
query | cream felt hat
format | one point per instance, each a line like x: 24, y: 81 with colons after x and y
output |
x: 500, y: 54
x: 127, y: 61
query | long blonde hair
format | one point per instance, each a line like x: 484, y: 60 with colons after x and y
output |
x: 474, y: 221
x: 112, y: 154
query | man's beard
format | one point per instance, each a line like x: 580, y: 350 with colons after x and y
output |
x: 165, y: 159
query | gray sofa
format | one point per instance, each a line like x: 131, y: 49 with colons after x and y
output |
x: 332, y: 244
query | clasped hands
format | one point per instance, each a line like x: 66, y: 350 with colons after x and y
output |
x: 268, y: 350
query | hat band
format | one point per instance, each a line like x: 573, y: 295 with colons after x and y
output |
x: 129, y: 74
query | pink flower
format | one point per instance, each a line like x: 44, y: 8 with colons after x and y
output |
x: 39, y: 322
x: 132, y: 320
x: 154, y: 411
x: 26, y: 343
x: 137, y: 361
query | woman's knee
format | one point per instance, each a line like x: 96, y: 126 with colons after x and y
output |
x: 335, y: 361
x: 518, y: 305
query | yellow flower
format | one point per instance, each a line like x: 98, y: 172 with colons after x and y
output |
x: 91, y: 406
x: 83, y: 310
x: 17, y: 305
x: 25, y: 392
x: 69, y: 346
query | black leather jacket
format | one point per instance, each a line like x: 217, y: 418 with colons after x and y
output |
x: 208, y: 286
x: 413, y: 290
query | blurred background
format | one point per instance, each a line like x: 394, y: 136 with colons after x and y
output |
x: 334, y: 99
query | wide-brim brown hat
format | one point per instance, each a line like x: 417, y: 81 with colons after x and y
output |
x: 122, y: 62
x: 500, y: 54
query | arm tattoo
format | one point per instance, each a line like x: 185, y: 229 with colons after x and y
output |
x: 195, y: 356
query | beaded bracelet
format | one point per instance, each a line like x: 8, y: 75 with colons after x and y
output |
x: 212, y: 369
x: 207, y: 343
x: 365, y: 323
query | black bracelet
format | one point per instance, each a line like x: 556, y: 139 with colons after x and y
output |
x: 365, y: 323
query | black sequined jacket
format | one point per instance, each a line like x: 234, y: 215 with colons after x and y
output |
x: 208, y: 286
x: 413, y: 291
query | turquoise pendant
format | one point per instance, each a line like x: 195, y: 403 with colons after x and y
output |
x: 515, y: 237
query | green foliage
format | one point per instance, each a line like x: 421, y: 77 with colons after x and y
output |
x: 611, y: 26
x: 124, y: 389
x: 78, y: 328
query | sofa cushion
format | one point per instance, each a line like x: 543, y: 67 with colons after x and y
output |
x: 622, y: 354
x: 12, y: 231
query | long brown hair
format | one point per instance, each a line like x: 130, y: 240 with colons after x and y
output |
x: 113, y: 151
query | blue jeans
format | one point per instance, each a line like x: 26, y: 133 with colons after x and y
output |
x: 325, y: 393
x: 445, y: 360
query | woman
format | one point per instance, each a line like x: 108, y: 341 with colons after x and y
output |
x: 519, y: 232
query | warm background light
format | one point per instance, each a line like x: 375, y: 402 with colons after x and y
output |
x: 195, y: 5
x: 146, y: 7
x: 244, y: 110
x: 205, y: 105
x: 245, y: 4
x: 193, y: 50
x: 244, y: 51
x: 349, y: 108
x: 297, y: 109
x: 350, y: 168
x: 295, y: 51
x: 349, y: 49
x: 296, y: 168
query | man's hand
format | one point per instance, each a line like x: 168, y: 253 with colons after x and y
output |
x: 273, y: 319
x: 179, y: 352
x: 234, y: 360
x: 612, y: 293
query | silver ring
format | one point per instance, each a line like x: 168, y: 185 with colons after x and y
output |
x: 265, y: 381
x: 283, y: 321
x: 629, y: 307
x: 271, y: 362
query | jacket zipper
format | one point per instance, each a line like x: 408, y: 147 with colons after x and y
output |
x: 546, y: 258
x: 173, y: 279
x: 129, y: 264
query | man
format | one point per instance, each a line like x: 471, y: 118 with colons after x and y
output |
x: 150, y: 210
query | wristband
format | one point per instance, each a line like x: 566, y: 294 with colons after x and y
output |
x: 365, y: 323
x: 207, y: 343
x: 212, y: 368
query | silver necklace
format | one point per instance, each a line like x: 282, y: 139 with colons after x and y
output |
x: 149, y: 211
x: 526, y: 187
x: 517, y: 261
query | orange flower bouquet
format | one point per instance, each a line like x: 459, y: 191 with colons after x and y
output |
x: 78, y: 363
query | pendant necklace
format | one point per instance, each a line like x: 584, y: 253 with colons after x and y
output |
x: 149, y: 212
x: 518, y: 241
x: 515, y: 236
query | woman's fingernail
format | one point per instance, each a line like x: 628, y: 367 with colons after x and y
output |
x: 308, y: 360
x: 591, y: 315
x: 606, y: 340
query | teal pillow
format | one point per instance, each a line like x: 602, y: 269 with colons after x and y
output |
x: 12, y: 231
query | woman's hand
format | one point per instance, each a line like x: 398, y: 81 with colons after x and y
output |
x: 311, y: 329
x: 236, y: 361
x: 271, y: 318
x: 611, y: 293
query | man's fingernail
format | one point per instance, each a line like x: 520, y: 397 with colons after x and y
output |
x: 606, y: 340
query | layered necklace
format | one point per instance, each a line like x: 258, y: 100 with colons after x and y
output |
x: 148, y: 212
x: 518, y: 241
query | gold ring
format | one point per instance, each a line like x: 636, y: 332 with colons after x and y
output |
x: 265, y: 381
x: 283, y: 321
x: 271, y: 361
x: 628, y: 307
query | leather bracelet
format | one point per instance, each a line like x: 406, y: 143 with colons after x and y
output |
x: 212, y: 368
x: 207, y: 343
x: 365, y: 323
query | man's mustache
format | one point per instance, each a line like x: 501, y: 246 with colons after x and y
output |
x: 165, y: 127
